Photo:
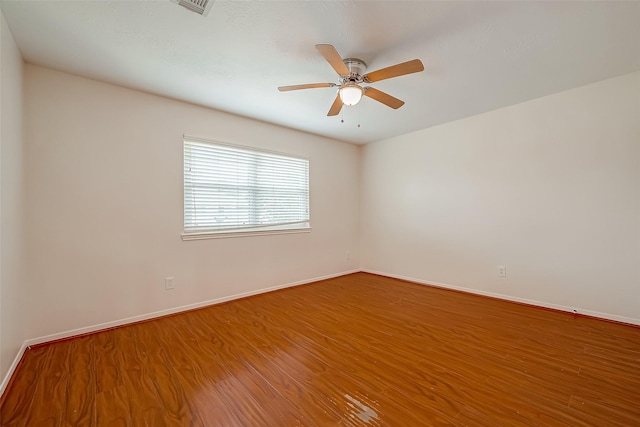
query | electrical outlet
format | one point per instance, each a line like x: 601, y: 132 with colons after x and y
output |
x: 348, y: 255
x: 168, y: 283
x: 502, y: 271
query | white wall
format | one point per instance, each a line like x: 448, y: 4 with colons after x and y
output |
x: 549, y: 188
x: 104, y: 198
x: 12, y: 313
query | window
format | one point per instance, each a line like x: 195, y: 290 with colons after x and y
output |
x: 231, y: 191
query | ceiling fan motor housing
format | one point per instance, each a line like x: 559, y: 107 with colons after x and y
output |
x: 356, y: 68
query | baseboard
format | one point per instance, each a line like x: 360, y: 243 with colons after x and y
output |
x: 161, y: 313
x: 148, y: 316
x: 12, y: 369
x: 573, y: 310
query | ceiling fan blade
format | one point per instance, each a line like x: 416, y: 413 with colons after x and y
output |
x: 385, y: 98
x: 333, y: 58
x: 307, y: 86
x: 397, y: 70
x: 336, y: 107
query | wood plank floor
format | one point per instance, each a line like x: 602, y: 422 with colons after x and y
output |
x: 359, y: 350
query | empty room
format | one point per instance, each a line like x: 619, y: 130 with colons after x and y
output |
x: 319, y: 213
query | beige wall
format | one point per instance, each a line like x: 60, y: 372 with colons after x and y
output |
x: 104, y: 198
x: 12, y: 308
x: 549, y: 188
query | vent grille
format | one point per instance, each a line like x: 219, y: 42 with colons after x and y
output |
x: 201, y: 7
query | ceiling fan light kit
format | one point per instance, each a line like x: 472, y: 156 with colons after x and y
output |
x: 351, y: 73
x: 350, y: 94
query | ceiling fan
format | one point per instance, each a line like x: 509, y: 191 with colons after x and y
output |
x: 351, y: 74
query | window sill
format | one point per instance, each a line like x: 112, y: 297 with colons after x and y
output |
x: 257, y: 231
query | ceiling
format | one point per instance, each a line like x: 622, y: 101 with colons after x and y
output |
x: 478, y: 56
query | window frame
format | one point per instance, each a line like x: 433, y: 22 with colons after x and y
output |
x: 251, y: 230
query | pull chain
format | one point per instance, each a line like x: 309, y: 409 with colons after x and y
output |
x: 342, y: 116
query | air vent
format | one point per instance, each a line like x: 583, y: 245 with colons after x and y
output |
x: 201, y: 7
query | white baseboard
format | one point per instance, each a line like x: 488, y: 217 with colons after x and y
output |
x: 12, y: 368
x: 155, y: 314
x: 536, y: 303
x: 148, y: 316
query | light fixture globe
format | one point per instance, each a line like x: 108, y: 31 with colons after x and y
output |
x: 350, y: 94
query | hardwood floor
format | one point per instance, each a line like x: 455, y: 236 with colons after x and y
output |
x: 359, y: 350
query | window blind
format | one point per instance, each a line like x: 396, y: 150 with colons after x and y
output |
x: 230, y: 189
